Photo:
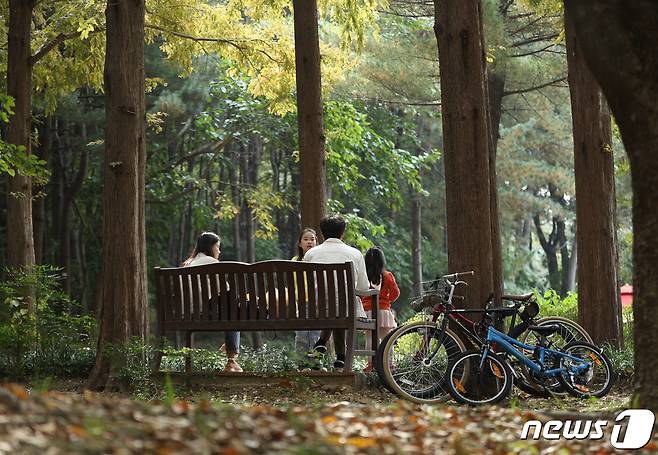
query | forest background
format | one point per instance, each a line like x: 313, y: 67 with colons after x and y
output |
x: 222, y: 140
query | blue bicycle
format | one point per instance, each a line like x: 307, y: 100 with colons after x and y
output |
x: 485, y: 376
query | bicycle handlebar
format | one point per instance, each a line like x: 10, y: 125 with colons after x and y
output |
x: 458, y: 275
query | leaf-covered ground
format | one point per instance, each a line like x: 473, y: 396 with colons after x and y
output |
x: 288, y: 418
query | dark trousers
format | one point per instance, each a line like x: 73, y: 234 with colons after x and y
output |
x: 339, y: 341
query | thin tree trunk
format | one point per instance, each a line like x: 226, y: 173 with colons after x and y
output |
x: 20, y: 238
x: 599, y: 308
x: 416, y: 243
x: 39, y: 204
x: 309, y: 114
x: 550, y: 247
x: 466, y: 144
x: 236, y: 199
x: 124, y: 292
x: 569, y: 284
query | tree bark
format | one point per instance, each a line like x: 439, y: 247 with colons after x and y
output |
x: 68, y: 191
x: 599, y: 308
x: 39, y: 204
x: 551, y: 246
x: 569, y: 270
x: 312, y: 159
x: 618, y: 39
x: 416, y: 243
x: 124, y: 293
x: 234, y: 177
x: 466, y: 144
x: 20, y: 238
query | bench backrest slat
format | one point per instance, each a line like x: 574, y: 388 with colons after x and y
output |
x: 347, y: 302
x: 322, y: 294
x: 291, y: 296
x: 281, y: 295
x: 331, y: 291
x: 223, y: 296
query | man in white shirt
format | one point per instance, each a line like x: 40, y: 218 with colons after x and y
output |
x: 333, y: 250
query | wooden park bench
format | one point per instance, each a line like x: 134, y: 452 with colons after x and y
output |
x: 229, y: 296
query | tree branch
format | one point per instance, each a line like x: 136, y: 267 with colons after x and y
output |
x: 537, y: 87
x: 50, y: 45
x: 535, y: 39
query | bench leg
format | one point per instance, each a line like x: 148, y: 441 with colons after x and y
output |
x: 158, y: 355
x: 188, y: 357
x: 375, y: 339
x: 350, y: 347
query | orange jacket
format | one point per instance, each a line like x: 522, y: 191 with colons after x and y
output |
x: 388, y: 294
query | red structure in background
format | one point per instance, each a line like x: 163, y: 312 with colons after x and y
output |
x: 626, y: 295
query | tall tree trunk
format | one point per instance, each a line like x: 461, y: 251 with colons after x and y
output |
x: 124, y: 293
x: 466, y: 144
x: 20, y: 238
x: 599, y: 308
x: 312, y: 161
x: 618, y: 40
x: 494, y: 91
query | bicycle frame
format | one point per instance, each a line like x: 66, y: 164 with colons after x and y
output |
x: 508, y: 344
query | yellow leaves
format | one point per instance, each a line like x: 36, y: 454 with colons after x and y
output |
x: 155, y: 120
x: 226, y: 209
x: 357, y: 441
x: 262, y: 201
x: 18, y: 391
x: 329, y: 419
x: 86, y: 26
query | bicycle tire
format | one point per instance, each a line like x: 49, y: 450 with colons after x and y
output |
x: 434, y: 392
x: 600, y: 359
x: 570, y: 331
x: 572, y: 325
x: 378, y: 360
x: 454, y: 384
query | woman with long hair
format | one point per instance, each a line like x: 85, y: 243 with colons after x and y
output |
x: 304, y: 339
x: 207, y: 251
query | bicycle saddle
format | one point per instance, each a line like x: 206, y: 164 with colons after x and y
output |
x: 545, y: 330
x: 518, y: 298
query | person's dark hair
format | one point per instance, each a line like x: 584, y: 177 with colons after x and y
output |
x: 375, y: 264
x: 332, y: 227
x: 300, y: 251
x: 204, y: 244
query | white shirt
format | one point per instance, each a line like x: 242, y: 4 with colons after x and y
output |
x: 334, y: 251
x: 202, y: 259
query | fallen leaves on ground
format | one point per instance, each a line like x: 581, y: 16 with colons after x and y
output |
x: 62, y: 423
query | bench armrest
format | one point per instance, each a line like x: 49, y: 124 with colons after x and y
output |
x: 367, y: 293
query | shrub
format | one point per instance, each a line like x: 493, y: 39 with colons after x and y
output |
x: 551, y: 304
x: 41, y: 333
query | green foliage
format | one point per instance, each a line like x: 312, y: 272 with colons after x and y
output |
x: 551, y: 304
x: 13, y: 159
x: 41, y: 333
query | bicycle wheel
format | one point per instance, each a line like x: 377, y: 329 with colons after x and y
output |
x: 379, y: 360
x: 569, y: 332
x: 407, y: 368
x: 594, y: 381
x: 576, y: 332
x: 474, y: 382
